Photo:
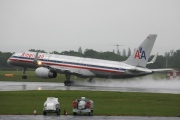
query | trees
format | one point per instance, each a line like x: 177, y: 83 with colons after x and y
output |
x: 55, y: 52
x: 118, y: 52
x: 3, y: 59
x: 41, y: 51
x: 167, y: 55
x: 80, y: 50
x: 124, y: 53
x: 129, y: 52
x: 90, y: 53
x: 71, y: 53
x: 160, y: 62
x: 174, y: 59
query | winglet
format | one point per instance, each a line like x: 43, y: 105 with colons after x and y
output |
x: 153, y: 60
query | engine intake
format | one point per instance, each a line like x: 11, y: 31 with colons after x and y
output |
x: 45, y: 73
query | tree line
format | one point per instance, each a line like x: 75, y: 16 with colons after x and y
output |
x: 169, y: 59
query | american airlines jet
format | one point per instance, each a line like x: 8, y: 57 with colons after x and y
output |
x: 48, y: 65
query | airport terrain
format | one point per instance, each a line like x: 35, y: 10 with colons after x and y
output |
x: 105, y: 103
x: 17, y: 76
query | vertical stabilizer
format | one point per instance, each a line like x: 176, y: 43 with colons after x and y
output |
x: 141, y: 55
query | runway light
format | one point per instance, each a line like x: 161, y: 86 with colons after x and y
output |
x: 39, y: 88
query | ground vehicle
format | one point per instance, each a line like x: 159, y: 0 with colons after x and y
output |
x: 82, y: 106
x: 51, y: 105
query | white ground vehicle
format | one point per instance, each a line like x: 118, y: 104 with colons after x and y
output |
x: 51, y: 106
x: 82, y: 106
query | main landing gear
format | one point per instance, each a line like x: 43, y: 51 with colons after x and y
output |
x: 68, y: 82
x: 91, y: 80
x: 24, y: 74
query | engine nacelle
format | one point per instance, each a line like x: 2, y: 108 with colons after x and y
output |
x: 45, y: 73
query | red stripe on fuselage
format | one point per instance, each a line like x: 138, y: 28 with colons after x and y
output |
x: 65, y: 65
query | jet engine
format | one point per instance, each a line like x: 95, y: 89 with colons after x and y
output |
x: 45, y: 73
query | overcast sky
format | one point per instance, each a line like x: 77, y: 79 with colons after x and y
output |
x: 63, y: 25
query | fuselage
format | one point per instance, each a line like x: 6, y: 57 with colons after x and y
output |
x: 87, y: 66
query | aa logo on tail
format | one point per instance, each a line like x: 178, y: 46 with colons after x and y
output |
x: 140, y: 54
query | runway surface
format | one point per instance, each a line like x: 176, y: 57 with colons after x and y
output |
x: 62, y: 117
x: 147, y: 85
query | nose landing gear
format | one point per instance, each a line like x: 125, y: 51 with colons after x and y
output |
x: 24, y: 74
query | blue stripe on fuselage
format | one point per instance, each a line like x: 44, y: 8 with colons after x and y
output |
x: 71, y: 63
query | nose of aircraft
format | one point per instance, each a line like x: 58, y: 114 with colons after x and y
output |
x: 9, y: 61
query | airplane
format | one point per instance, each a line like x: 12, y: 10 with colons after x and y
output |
x: 48, y: 65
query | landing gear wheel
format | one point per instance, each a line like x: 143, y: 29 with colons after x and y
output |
x: 44, y: 113
x: 74, y: 113
x: 24, y: 74
x: 24, y: 77
x: 68, y: 83
x: 58, y: 112
x: 89, y: 113
x: 91, y: 81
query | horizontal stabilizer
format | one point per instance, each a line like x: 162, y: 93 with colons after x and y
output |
x: 163, y: 70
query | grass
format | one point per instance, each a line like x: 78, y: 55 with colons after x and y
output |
x: 31, y: 77
x: 60, y: 77
x: 105, y: 103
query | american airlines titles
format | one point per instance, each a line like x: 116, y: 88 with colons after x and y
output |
x: 29, y: 55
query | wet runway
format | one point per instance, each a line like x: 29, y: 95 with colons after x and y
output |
x: 147, y: 86
x: 62, y: 117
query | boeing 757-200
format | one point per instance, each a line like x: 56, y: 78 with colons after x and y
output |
x: 48, y: 65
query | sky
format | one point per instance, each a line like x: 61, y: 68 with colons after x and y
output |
x: 64, y: 25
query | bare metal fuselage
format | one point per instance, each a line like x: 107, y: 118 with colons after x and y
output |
x: 87, y: 67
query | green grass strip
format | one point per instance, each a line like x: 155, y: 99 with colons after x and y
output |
x: 105, y: 103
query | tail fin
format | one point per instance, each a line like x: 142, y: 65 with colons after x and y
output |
x: 142, y: 53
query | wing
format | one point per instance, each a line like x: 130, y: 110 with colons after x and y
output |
x: 64, y: 70
x: 73, y: 71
